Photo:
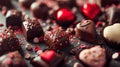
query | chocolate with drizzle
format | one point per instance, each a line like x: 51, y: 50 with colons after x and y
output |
x: 9, y: 42
x: 85, y: 30
x: 56, y: 39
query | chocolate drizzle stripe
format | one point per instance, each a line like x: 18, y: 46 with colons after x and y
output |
x: 82, y: 24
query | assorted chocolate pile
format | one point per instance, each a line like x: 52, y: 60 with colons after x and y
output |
x: 9, y: 42
x: 60, y: 33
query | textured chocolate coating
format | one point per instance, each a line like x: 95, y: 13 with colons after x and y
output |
x: 9, y: 42
x: 13, y: 59
x: 85, y: 30
x: 32, y: 29
x: 56, y: 39
x: 14, y: 18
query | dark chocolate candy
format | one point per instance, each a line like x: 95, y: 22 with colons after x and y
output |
x: 85, y: 30
x: 14, y: 18
x: 9, y: 42
x: 40, y: 10
x: 113, y: 14
x: 32, y: 29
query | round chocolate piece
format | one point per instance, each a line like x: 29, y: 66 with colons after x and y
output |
x: 40, y: 10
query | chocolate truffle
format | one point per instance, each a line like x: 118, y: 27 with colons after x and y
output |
x: 86, y: 31
x: 14, y: 18
x: 64, y: 17
x: 40, y: 10
x: 32, y: 30
x: 25, y: 3
x: 9, y: 42
x: 93, y: 57
x: 56, y: 39
x: 113, y: 14
x: 111, y: 35
x: 12, y: 59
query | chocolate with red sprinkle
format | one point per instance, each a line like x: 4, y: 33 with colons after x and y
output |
x: 57, y: 39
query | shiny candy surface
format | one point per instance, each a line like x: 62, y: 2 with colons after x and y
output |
x: 90, y: 10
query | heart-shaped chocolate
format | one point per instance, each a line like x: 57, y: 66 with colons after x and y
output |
x: 90, y: 10
x: 48, y: 55
x: 64, y: 17
x: 65, y: 14
x: 112, y: 33
x: 93, y: 57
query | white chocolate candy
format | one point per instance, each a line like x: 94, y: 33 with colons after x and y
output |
x: 112, y: 32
